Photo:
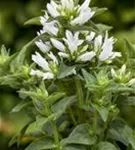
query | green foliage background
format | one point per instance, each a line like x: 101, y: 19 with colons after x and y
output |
x: 13, y: 14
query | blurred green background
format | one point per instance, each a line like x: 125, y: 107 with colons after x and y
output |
x: 13, y: 14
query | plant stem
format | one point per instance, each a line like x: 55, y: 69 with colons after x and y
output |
x: 72, y: 116
x: 54, y: 127
x: 79, y: 91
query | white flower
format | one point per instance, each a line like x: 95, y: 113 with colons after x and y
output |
x: 98, y: 43
x: 49, y: 70
x: 50, y: 28
x: 107, y: 49
x: 38, y: 59
x: 57, y: 44
x: 53, y: 58
x: 91, y: 36
x: 76, y: 14
x: 41, y: 74
x: 52, y: 9
x: 43, y: 46
x: 72, y: 41
x: 85, y: 14
x: 72, y: 49
x: 86, y: 56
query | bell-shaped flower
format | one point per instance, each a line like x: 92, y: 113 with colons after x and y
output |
x: 50, y: 28
x: 107, y: 49
x: 43, y: 46
x: 49, y: 68
x: 85, y: 14
x: 76, y: 14
x: 73, y: 48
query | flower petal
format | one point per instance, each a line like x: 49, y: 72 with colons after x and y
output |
x: 86, y: 56
x: 38, y: 59
x: 44, y: 47
x: 57, y: 44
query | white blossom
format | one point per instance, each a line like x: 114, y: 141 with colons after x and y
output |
x: 50, y: 28
x: 57, y: 44
x: 91, y: 36
x: 72, y: 41
x: 52, y: 9
x: 43, y: 46
x: 76, y: 14
x: 38, y: 59
x: 107, y: 49
x: 48, y: 70
x: 85, y: 14
x: 86, y: 56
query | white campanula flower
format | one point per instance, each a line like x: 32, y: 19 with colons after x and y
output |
x: 73, y: 49
x: 103, y: 47
x: 50, y: 28
x: 76, y: 14
x: 49, y: 68
x: 85, y: 14
x: 107, y: 48
x: 43, y: 46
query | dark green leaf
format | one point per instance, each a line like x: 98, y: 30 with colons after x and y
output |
x: 80, y: 135
x: 42, y: 144
x: 106, y: 146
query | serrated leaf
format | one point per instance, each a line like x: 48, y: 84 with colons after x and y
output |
x: 42, y: 144
x: 106, y: 146
x: 33, y: 21
x: 80, y: 135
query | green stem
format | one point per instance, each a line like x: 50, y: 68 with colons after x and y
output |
x: 54, y: 127
x: 79, y: 91
x: 87, y: 97
x: 72, y: 116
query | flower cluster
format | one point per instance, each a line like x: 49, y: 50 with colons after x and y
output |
x: 77, y: 46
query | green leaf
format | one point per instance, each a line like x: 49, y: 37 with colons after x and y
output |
x: 42, y: 144
x: 62, y: 105
x: 20, y: 106
x: 33, y: 21
x: 74, y: 147
x: 99, y: 11
x: 80, y: 135
x: 65, y: 71
x: 106, y: 146
x: 88, y: 77
x: 57, y: 110
x: 103, y: 27
x: 103, y: 111
x: 54, y: 97
x: 130, y: 48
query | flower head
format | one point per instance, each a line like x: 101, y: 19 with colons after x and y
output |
x: 49, y: 68
x: 76, y: 14
x: 73, y: 48
x: 43, y: 46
